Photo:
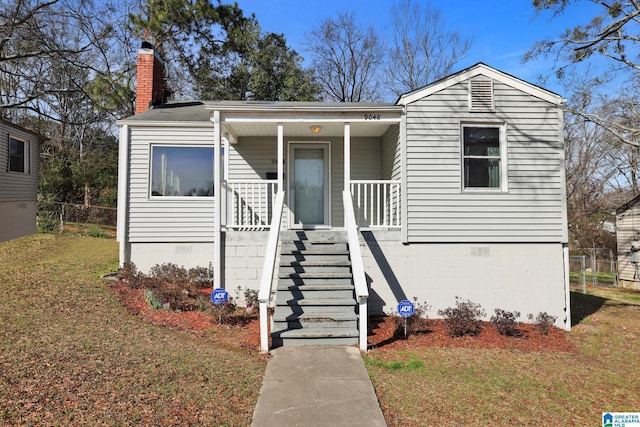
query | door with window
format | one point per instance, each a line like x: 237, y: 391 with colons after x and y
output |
x: 309, y: 194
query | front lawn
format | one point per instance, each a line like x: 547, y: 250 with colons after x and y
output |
x: 70, y: 354
x: 454, y: 385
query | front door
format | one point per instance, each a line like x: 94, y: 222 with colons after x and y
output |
x: 309, y: 193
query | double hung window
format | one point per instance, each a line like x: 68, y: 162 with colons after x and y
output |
x: 18, y: 155
x: 483, y: 156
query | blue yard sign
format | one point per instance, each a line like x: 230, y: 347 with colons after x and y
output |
x: 406, y: 308
x: 219, y: 296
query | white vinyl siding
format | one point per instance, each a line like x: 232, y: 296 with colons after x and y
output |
x: 439, y: 211
x: 628, y: 229
x: 158, y: 219
x: 19, y: 186
x: 391, y: 154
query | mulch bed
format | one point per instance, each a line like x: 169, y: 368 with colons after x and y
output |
x: 385, y: 332
x: 242, y: 330
x: 385, y: 335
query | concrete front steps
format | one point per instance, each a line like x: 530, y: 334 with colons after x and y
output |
x: 315, y: 302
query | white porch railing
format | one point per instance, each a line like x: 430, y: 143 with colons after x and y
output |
x: 250, y: 203
x: 264, y: 294
x: 357, y: 269
x: 377, y: 203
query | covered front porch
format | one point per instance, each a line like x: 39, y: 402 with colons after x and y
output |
x: 306, y: 167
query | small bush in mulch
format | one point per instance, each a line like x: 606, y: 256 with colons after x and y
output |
x: 463, y: 319
x: 543, y: 322
x: 383, y: 337
x: 172, y: 287
x: 506, y: 322
x: 169, y: 285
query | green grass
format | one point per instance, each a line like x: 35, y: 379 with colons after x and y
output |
x: 70, y: 354
x: 601, y: 277
x: 463, y: 386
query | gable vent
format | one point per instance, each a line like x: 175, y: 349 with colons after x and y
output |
x: 481, y: 95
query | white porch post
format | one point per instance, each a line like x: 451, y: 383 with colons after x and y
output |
x: 347, y: 157
x: 280, y: 156
x: 217, y: 210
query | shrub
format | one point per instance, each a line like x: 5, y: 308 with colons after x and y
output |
x: 170, y: 283
x: 506, y: 323
x: 463, y: 319
x: 130, y: 275
x: 47, y: 217
x: 201, y: 277
x: 251, y: 299
x: 224, y: 312
x: 543, y: 322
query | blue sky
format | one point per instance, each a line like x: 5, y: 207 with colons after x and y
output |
x: 502, y: 30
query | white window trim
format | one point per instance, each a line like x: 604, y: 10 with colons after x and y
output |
x: 504, y: 178
x: 169, y: 198
x: 27, y: 155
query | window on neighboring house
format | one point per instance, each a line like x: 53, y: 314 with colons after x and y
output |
x: 482, y: 156
x: 18, y: 155
x: 181, y: 171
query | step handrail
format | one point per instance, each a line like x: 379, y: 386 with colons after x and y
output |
x: 357, y: 267
x: 264, y: 294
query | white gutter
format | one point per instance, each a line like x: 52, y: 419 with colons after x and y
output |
x: 567, y: 289
x: 123, y: 195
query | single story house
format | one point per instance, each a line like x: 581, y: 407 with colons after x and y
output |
x: 455, y: 190
x: 20, y: 157
x: 628, y: 242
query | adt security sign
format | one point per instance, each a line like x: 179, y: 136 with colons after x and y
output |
x: 219, y: 296
x: 405, y: 308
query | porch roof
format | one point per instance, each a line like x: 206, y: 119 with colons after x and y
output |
x: 261, y: 118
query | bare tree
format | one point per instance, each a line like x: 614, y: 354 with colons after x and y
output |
x: 346, y: 59
x: 423, y: 50
x: 612, y: 34
x: 36, y: 37
x: 601, y: 171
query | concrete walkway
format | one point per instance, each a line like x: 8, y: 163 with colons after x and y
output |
x: 317, y: 386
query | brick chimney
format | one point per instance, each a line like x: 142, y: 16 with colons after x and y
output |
x: 150, y: 78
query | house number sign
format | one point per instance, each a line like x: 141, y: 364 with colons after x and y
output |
x: 372, y: 116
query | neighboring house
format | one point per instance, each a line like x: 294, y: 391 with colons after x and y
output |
x: 20, y: 159
x: 628, y: 239
x: 458, y: 189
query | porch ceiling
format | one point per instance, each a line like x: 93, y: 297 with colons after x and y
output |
x: 303, y: 129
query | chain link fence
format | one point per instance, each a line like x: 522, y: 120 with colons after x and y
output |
x: 60, y: 217
x: 593, y: 267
